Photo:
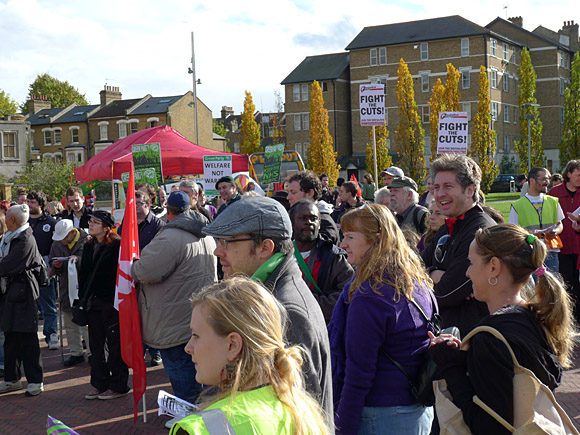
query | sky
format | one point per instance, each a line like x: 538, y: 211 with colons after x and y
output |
x: 144, y: 47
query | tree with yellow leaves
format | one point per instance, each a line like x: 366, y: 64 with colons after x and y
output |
x: 445, y: 98
x: 482, y: 136
x: 249, y: 131
x: 321, y: 155
x: 279, y: 130
x: 410, y: 136
x: 527, y: 78
x: 383, y: 158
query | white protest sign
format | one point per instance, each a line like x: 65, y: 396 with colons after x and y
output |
x: 372, y: 104
x: 452, y: 137
x: 214, y: 168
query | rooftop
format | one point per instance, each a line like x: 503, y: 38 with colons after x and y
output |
x: 324, y: 67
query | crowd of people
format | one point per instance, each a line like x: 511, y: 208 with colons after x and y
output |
x: 307, y: 312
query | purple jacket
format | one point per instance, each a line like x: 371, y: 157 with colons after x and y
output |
x: 359, y: 332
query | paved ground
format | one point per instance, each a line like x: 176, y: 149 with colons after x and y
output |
x: 65, y: 388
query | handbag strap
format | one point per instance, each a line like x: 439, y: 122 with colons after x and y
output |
x: 304, y: 268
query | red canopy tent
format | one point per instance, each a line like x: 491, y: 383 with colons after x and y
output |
x: 178, y: 155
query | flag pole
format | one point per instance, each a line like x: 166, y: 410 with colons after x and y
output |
x: 144, y: 407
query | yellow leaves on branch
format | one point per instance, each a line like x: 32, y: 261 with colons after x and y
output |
x: 249, y: 131
x: 321, y: 155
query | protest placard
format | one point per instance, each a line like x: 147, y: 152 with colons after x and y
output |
x: 148, y: 166
x: 272, y: 162
x: 372, y: 104
x: 452, y: 137
x: 214, y: 168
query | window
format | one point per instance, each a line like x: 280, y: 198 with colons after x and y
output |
x: 304, y: 92
x: 515, y: 84
x: 380, y: 80
x: 425, y: 82
x: 506, y: 143
x: 465, y: 79
x: 562, y: 59
x: 305, y: 121
x: 562, y: 115
x: 9, y: 150
x: 466, y: 107
x: 506, y: 113
x: 515, y: 115
x: 383, y: 56
x: 506, y: 52
x: 74, y: 133
x: 298, y: 148
x: 324, y: 86
x: 493, y: 47
x: 424, y: 51
x: 494, y: 110
x: 47, y: 137
x: 297, y: 122
x: 296, y: 91
x: 152, y: 124
x: 133, y: 127
x: 103, y: 132
x: 562, y: 86
x: 122, y: 130
x: 493, y: 78
x: 425, y: 114
x: 57, y: 137
x: 465, y: 47
x: 505, y: 81
x: 373, y: 57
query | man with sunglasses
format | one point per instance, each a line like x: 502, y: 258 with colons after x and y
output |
x: 456, y: 187
x: 176, y: 262
x: 254, y: 238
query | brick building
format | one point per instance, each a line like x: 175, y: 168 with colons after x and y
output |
x: 14, y: 140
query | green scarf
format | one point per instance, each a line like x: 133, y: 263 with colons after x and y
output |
x: 266, y: 269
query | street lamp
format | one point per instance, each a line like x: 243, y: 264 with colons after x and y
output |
x: 529, y: 117
x: 195, y: 83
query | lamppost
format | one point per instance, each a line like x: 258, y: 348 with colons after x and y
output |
x: 195, y: 83
x: 529, y: 117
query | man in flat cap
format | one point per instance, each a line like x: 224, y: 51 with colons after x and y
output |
x: 404, y: 201
x: 254, y: 238
x: 229, y: 194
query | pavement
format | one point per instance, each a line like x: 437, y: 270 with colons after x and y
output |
x: 64, y: 390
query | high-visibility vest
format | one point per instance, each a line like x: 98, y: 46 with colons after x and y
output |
x: 255, y: 412
x: 528, y: 216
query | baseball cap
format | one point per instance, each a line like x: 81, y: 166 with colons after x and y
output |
x: 254, y: 215
x: 404, y: 182
x: 178, y: 199
x: 394, y: 171
x: 62, y: 229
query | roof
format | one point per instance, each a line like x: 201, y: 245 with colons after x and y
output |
x: 416, y: 31
x: 155, y: 105
x: 324, y: 67
x: 77, y: 114
x: 42, y: 117
x: 536, y: 35
x: 115, y: 108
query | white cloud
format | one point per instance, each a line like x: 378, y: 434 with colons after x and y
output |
x: 144, y: 47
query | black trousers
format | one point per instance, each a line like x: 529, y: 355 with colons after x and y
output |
x: 22, y: 349
x: 108, y: 370
x: 570, y: 274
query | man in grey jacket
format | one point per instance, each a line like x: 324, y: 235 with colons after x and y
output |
x: 176, y: 262
x: 254, y: 238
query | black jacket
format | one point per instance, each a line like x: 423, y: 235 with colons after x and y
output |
x: 84, y: 221
x: 19, y: 305
x: 98, y: 272
x: 42, y: 229
x: 491, y: 369
x: 329, y: 228
x: 454, y: 288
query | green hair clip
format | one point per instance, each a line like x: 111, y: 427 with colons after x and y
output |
x: 531, y: 239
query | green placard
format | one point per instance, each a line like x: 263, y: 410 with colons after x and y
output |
x: 147, y: 161
x: 272, y: 162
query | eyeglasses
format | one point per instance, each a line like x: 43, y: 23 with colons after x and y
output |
x: 95, y: 222
x: 441, y: 248
x: 141, y: 203
x: 366, y: 206
x: 223, y: 243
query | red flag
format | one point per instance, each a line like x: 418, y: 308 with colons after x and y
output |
x: 353, y: 179
x: 126, y: 299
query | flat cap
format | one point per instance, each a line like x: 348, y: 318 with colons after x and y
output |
x: 404, y: 182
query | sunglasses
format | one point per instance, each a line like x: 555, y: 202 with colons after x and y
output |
x: 441, y: 248
x: 366, y: 206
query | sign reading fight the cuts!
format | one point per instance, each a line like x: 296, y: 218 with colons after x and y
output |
x: 372, y: 105
x: 452, y: 137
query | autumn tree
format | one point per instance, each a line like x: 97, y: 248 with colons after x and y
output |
x: 410, y: 136
x: 444, y: 98
x: 383, y: 158
x: 527, y: 78
x: 278, y: 128
x: 483, y: 144
x: 7, y: 105
x: 249, y: 131
x: 60, y: 94
x: 321, y: 155
x: 218, y: 128
x: 570, y: 143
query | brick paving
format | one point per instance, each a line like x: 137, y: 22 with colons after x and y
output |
x: 64, y: 390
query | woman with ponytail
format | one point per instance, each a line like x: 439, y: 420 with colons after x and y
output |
x: 537, y: 323
x: 256, y: 384
x: 97, y: 279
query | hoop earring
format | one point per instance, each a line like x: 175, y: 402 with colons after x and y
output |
x: 489, y: 280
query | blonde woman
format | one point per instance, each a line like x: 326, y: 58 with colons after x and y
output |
x: 238, y: 349
x: 538, y: 325
x: 374, y: 316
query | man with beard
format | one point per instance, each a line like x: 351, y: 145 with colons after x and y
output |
x: 323, y: 264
